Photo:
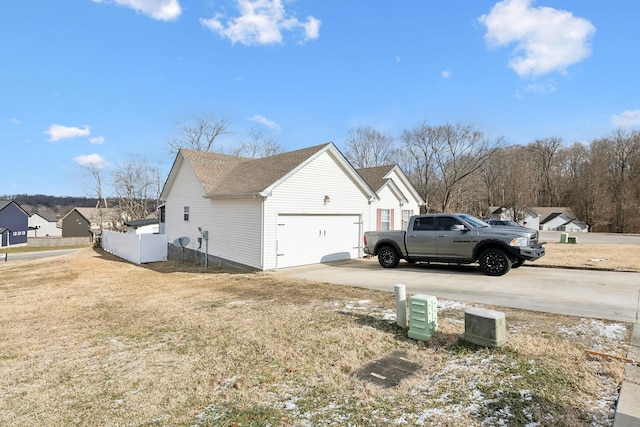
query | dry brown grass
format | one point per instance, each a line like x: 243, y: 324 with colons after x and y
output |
x: 87, y: 339
x: 616, y: 257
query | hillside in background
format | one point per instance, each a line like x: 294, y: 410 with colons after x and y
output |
x: 53, y: 205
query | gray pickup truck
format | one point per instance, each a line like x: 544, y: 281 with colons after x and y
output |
x: 455, y: 239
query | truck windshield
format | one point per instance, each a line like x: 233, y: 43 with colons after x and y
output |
x: 474, y: 221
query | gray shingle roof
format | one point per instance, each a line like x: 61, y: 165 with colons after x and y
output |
x: 93, y: 214
x: 48, y: 217
x: 224, y: 175
x: 374, y: 176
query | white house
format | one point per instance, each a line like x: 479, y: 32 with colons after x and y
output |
x: 398, y: 198
x: 527, y: 217
x: 43, y: 225
x: 302, y: 207
x: 543, y: 218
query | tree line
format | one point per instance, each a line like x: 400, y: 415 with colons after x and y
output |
x: 456, y: 167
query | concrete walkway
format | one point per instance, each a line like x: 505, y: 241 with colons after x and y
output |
x: 628, y: 409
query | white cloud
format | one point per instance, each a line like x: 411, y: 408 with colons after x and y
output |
x: 58, y: 132
x: 14, y: 121
x: 261, y: 22
x: 162, y: 10
x: 547, y: 40
x: 626, y: 119
x: 446, y: 74
x: 96, y: 160
x: 263, y: 120
x: 97, y: 140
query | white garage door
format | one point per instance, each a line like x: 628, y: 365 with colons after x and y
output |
x: 312, y: 239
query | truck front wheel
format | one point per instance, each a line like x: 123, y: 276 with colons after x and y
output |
x: 388, y: 257
x: 494, y: 262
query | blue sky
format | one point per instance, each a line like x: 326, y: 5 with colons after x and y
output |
x: 105, y: 81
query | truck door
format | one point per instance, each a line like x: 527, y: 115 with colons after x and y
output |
x: 453, y: 243
x: 421, y: 238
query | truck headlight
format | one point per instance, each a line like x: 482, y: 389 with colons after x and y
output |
x: 519, y: 241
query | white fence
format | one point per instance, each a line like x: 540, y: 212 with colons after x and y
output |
x: 137, y: 248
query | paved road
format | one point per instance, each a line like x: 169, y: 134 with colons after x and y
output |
x: 36, y: 254
x: 604, y: 238
x: 596, y: 294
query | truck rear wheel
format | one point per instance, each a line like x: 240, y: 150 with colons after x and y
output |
x: 494, y: 262
x: 388, y: 257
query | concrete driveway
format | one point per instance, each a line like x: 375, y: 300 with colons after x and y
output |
x: 595, y: 294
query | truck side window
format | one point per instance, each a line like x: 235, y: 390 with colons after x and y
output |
x: 447, y: 222
x: 423, y: 224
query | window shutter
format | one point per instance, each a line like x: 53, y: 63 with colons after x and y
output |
x: 391, y: 219
x: 378, y: 219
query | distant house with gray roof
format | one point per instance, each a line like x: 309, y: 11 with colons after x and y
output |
x: 555, y: 218
x: 44, y: 225
x: 89, y: 222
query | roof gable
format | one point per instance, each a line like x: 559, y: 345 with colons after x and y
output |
x: 380, y: 176
x: 376, y: 176
x: 5, y: 203
x: 223, y: 175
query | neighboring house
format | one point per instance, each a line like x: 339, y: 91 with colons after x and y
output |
x: 43, y: 225
x: 143, y: 226
x: 544, y: 218
x: 83, y: 222
x: 528, y: 217
x: 561, y: 221
x: 302, y: 207
x: 14, y: 223
x: 398, y: 198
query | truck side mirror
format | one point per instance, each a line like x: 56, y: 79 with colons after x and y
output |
x: 459, y: 227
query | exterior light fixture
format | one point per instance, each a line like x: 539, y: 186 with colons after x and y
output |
x: 327, y: 200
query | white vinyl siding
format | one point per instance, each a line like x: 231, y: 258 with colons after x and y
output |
x: 234, y: 225
x: 389, y: 199
x: 304, y: 193
x: 237, y: 230
x: 185, y: 191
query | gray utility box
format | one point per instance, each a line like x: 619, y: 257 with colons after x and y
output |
x: 423, y: 316
x: 486, y: 328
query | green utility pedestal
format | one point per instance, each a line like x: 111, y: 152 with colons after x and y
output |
x: 423, y: 316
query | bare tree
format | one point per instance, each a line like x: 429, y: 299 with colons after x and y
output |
x: 137, y: 187
x: 624, y: 154
x: 258, y: 145
x: 366, y: 147
x: 95, y: 171
x: 544, y: 152
x: 199, y: 134
x: 452, y: 153
x: 418, y: 143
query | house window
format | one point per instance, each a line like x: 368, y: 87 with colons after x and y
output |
x: 162, y: 213
x: 385, y: 219
x: 186, y: 213
x: 406, y: 215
